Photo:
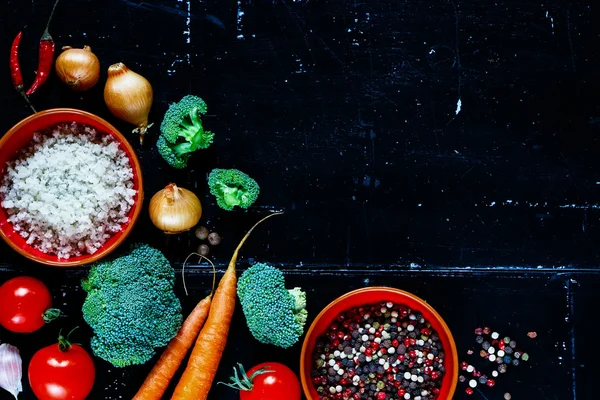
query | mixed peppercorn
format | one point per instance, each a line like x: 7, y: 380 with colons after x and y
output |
x: 376, y: 352
x: 502, y: 352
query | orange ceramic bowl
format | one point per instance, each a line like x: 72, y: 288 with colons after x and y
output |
x: 373, y: 295
x: 20, y: 136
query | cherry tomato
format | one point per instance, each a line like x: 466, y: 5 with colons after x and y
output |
x: 280, y: 384
x: 62, y: 371
x: 24, y: 301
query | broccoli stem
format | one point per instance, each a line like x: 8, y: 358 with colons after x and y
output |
x: 231, y: 195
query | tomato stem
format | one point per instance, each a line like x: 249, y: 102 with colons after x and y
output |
x: 64, y: 343
x: 51, y: 314
x: 244, y: 383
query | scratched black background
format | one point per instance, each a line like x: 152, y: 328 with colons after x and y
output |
x: 448, y: 148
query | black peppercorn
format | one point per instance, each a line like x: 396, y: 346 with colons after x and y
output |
x: 201, y: 233
x: 214, y: 239
x: 203, y: 250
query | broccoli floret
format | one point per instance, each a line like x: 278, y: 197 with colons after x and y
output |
x: 274, y: 314
x: 174, y: 160
x: 233, y: 188
x: 182, y: 132
x: 131, y: 306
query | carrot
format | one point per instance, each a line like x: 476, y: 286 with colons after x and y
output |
x: 159, y: 378
x: 197, y: 379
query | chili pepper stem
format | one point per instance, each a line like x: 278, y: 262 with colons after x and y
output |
x: 22, y: 92
x: 46, y: 34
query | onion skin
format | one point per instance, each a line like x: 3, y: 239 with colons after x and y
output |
x: 78, y: 68
x: 175, y: 210
x: 128, y: 96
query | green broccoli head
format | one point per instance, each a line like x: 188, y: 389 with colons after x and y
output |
x: 274, y: 314
x: 182, y: 132
x: 166, y: 151
x: 232, y: 188
x: 131, y: 306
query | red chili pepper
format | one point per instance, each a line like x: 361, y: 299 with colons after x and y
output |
x: 46, y: 56
x: 15, y: 69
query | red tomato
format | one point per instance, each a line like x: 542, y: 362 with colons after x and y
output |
x: 280, y: 384
x: 62, y: 375
x: 24, y: 301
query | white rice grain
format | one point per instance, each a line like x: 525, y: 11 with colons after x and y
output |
x: 69, y: 191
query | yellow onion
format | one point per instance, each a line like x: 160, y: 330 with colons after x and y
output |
x: 128, y: 96
x: 174, y: 209
x: 78, y: 68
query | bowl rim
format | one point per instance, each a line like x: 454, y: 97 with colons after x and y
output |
x: 137, y: 205
x: 306, y: 384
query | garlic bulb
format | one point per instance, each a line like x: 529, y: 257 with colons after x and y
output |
x: 11, y: 369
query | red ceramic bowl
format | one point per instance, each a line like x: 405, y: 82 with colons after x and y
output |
x: 372, y: 295
x: 19, y: 136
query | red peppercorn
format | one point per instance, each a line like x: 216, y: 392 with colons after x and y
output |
x: 412, y: 354
x: 343, y: 382
x: 401, y: 357
x: 476, y: 374
x: 435, y: 375
x: 340, y: 334
x: 411, y: 364
x: 316, y: 380
x: 368, y: 352
x: 395, y: 343
x: 334, y: 326
x: 412, y: 341
x: 479, y: 331
x: 397, y: 384
x: 464, y: 365
x: 406, y: 342
x: 501, y: 345
x: 401, y: 392
x: 339, y: 396
x: 375, y: 346
x: 469, y: 391
x: 378, y: 334
x: 383, y: 350
x: 491, y: 382
x: 335, y: 343
x: 425, y: 331
x: 381, y: 396
x: 430, y: 362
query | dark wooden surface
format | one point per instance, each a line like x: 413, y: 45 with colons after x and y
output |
x: 347, y: 114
